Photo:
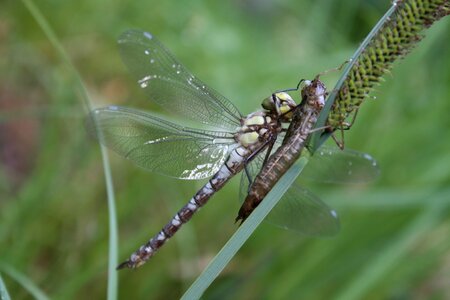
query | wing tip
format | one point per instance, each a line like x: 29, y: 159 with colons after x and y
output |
x: 134, y: 35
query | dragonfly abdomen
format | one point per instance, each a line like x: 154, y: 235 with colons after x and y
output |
x: 233, y: 165
x: 267, y: 178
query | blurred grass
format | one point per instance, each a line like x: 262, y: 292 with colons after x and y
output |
x: 23, y: 280
x: 4, y: 295
x: 394, y: 241
x: 112, y: 281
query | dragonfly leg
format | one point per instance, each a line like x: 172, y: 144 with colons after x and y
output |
x: 285, y: 91
x: 353, y: 119
x: 344, y: 126
x: 269, y: 151
x: 270, y: 142
x: 289, y: 111
x: 339, y: 143
x: 249, y: 178
x: 320, y: 128
x: 334, y: 69
x: 291, y: 89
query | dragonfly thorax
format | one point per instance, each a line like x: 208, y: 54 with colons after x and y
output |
x: 256, y: 128
x: 280, y: 104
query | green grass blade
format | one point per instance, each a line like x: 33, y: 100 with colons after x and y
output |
x: 54, y: 41
x: 81, y: 87
x: 225, y: 255
x: 381, y: 265
x: 24, y: 281
x: 4, y: 295
x: 113, y: 256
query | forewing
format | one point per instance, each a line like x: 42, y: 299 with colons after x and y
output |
x: 171, y: 85
x: 333, y: 165
x: 253, y: 169
x: 158, y: 145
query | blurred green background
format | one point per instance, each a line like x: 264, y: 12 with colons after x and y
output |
x: 395, y: 237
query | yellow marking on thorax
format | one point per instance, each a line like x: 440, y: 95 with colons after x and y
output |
x: 255, y: 120
x: 248, y: 138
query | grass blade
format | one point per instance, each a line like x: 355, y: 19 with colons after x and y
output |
x: 113, y: 236
x: 379, y: 266
x: 225, y: 255
x: 3, y: 291
x: 24, y: 281
x: 113, y: 256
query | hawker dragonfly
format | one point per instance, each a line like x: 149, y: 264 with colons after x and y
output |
x: 304, y: 118
x: 230, y: 144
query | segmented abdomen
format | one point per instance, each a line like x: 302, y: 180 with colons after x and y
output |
x: 233, y: 165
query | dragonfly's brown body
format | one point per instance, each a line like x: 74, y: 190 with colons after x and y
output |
x: 179, y: 151
x: 303, y: 120
x: 233, y: 142
x: 258, y: 130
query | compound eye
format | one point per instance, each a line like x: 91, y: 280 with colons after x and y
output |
x: 269, y: 103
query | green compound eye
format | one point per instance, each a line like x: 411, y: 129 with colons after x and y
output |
x: 269, y: 104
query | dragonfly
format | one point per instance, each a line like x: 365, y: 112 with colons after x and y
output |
x: 304, y: 118
x: 231, y: 143
x: 352, y: 169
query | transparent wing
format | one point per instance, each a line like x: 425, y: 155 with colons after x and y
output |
x: 158, y: 145
x: 301, y: 211
x: 298, y: 210
x: 333, y: 165
x: 171, y: 85
x: 327, y: 165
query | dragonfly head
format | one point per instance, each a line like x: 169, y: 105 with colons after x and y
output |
x: 280, y: 104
